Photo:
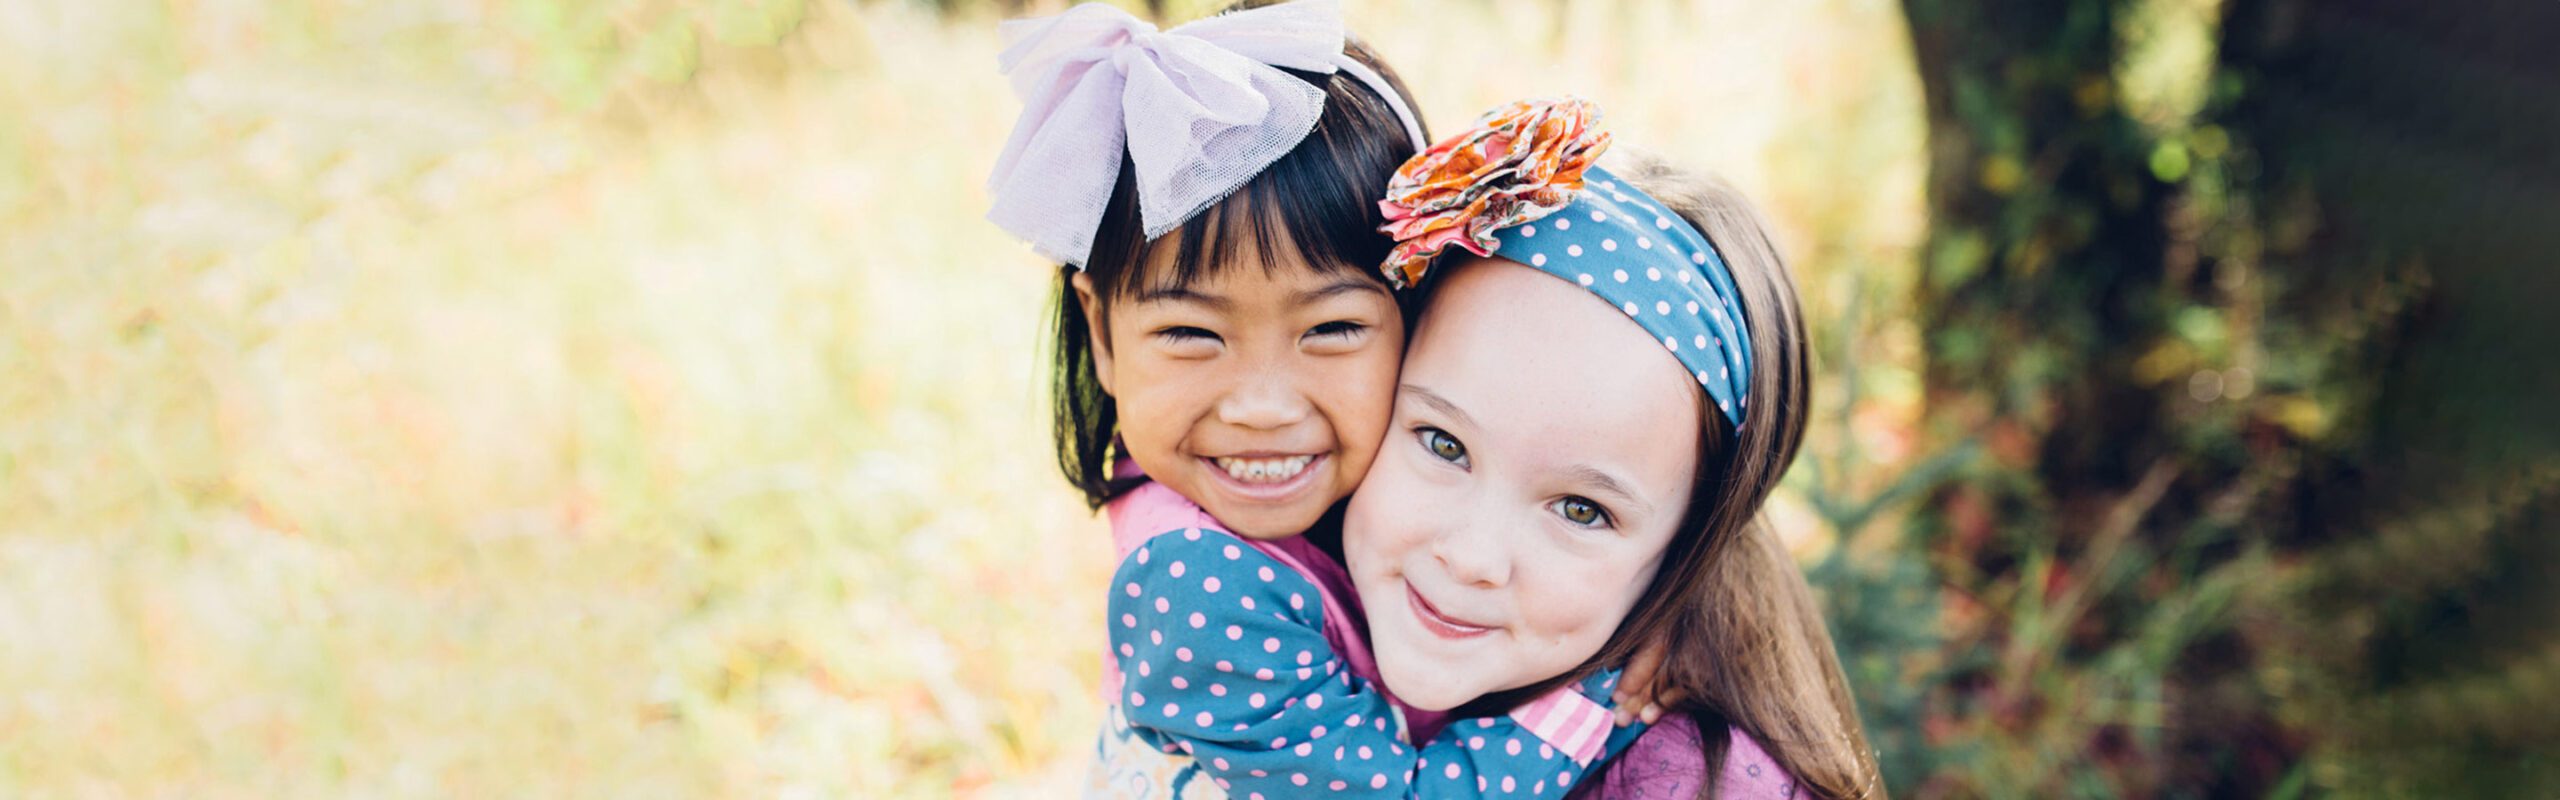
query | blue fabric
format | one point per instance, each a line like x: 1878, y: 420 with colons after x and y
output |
x: 1629, y: 249
x: 1223, y: 652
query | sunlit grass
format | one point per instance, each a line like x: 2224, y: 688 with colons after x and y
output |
x: 465, y: 402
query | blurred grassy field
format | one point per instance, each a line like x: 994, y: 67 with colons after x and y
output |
x: 495, y: 398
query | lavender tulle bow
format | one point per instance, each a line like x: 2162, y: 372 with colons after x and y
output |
x: 1201, y: 109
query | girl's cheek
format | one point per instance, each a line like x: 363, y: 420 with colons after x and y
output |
x: 1407, y: 525
x: 1569, y: 614
x: 1376, y: 388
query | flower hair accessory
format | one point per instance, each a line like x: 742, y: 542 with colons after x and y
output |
x: 1519, y: 163
x: 1522, y: 185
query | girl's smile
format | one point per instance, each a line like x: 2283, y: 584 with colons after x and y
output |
x: 1441, y: 624
x: 1259, y: 390
x: 1263, y: 469
x: 1268, y: 479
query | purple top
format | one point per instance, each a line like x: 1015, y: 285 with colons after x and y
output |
x: 1664, y: 763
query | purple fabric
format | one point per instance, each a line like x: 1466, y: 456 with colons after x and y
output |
x: 1664, y: 764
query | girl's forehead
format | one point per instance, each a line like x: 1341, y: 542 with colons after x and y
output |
x: 1542, y: 363
x: 1245, y: 276
x: 1242, y: 241
x: 1269, y: 283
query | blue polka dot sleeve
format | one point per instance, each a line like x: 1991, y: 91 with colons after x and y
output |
x: 1224, y: 658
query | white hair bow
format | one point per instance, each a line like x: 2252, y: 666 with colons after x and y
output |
x: 1200, y: 109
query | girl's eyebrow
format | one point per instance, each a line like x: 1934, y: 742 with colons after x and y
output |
x: 1440, y: 404
x: 1344, y: 286
x: 1174, y: 294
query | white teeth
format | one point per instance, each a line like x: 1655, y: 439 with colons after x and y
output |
x: 1264, y: 470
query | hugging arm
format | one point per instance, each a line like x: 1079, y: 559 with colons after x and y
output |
x: 1223, y: 654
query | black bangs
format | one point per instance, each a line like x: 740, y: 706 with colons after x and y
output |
x: 1316, y: 208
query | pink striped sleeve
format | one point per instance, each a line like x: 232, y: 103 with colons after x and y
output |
x: 1573, y: 723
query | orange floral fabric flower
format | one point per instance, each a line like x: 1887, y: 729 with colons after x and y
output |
x: 1519, y: 163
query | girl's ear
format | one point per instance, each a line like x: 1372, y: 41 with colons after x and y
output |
x: 1098, y: 339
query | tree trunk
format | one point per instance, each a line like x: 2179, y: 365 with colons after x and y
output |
x: 2412, y: 151
x: 2266, y: 401
x: 2051, y: 283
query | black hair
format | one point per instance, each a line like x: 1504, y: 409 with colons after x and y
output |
x: 1321, y: 197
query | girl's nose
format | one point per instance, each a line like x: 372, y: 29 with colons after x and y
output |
x: 1473, y: 554
x: 1266, y: 400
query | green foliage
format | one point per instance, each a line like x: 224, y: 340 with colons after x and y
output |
x: 2222, y: 537
x: 2104, y: 535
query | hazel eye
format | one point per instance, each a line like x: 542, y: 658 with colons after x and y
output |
x: 1444, y: 446
x: 1581, y: 511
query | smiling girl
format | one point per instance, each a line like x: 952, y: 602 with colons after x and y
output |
x: 1226, y: 364
x: 1596, y: 401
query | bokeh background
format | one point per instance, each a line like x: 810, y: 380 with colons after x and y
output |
x: 535, y: 398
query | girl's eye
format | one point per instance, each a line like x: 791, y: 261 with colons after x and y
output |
x: 1581, y: 511
x: 1338, y: 328
x: 1186, y: 333
x: 1444, y: 446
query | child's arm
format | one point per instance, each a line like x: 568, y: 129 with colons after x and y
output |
x: 1223, y: 651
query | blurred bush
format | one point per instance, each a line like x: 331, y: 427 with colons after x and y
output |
x: 2227, y: 297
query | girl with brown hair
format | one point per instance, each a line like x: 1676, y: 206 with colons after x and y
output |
x: 1566, y: 481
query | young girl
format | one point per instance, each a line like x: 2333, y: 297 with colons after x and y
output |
x: 1226, y: 362
x: 1565, y: 479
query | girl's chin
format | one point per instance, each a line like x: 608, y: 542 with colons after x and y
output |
x: 1436, y: 692
x: 1257, y: 519
x: 1267, y: 524
x: 1431, y: 703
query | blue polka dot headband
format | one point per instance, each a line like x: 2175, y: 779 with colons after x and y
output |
x: 1521, y: 185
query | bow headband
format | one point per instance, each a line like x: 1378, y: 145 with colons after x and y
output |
x: 1200, y: 109
x: 1521, y: 184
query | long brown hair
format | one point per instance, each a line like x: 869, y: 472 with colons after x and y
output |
x: 1746, y: 643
